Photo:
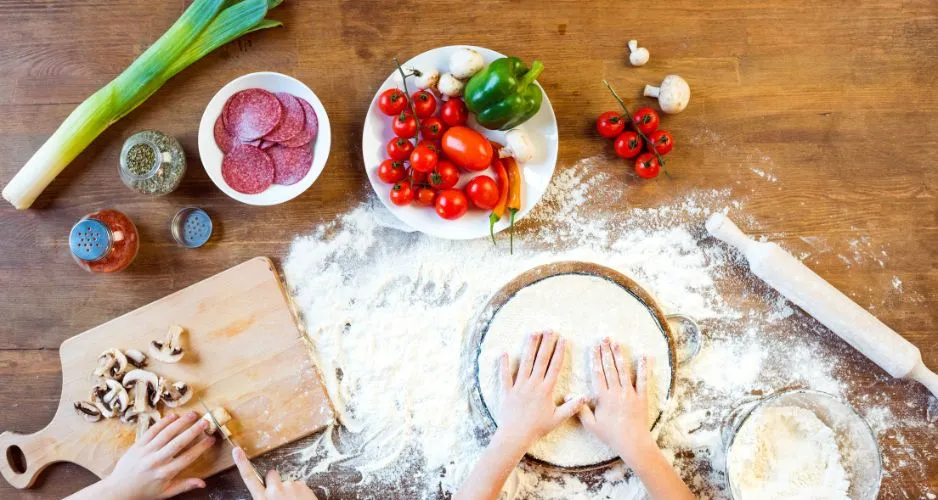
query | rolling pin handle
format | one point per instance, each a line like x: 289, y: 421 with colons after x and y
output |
x: 21, y: 461
x: 926, y: 377
x: 721, y: 227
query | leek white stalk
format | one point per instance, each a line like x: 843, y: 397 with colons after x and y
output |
x: 203, y: 27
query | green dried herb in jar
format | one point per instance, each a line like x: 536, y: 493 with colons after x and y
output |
x: 152, y: 163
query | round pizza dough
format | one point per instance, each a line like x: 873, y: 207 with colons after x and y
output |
x: 583, y: 309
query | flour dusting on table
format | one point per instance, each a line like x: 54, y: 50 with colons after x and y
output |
x: 387, y: 313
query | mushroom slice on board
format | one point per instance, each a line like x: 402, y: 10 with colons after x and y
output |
x: 144, y: 420
x: 136, y: 358
x: 105, y: 363
x: 175, y: 394
x: 116, y: 397
x: 169, y: 350
x: 222, y: 417
x: 141, y: 382
x: 88, y: 411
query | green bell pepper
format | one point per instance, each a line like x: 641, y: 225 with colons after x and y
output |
x: 503, y: 95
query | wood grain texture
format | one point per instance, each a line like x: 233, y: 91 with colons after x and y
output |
x: 834, y: 100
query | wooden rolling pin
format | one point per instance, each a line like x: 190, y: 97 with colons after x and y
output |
x: 828, y: 305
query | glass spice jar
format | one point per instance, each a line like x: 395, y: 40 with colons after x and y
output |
x: 104, y: 242
x: 152, y: 163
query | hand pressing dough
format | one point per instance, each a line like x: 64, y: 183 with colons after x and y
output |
x: 583, y: 309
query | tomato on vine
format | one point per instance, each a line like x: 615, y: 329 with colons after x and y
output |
x: 424, y: 104
x: 444, y: 176
x: 404, y: 125
x: 454, y: 112
x: 628, y: 145
x: 662, y: 141
x: 647, y: 166
x: 610, y: 124
x: 392, y: 102
x: 425, y: 197
x: 646, y: 120
x: 423, y: 159
x: 432, y: 128
x: 399, y: 149
x: 402, y: 193
x: 391, y: 171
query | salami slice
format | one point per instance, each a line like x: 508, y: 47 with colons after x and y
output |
x: 265, y: 144
x: 247, y: 169
x: 224, y: 140
x: 251, y: 114
x: 310, y: 129
x: 292, y: 121
x: 290, y: 164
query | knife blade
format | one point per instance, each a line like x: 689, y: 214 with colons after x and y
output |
x: 233, y: 445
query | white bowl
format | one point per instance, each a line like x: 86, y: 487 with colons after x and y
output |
x: 542, y: 128
x: 212, y: 156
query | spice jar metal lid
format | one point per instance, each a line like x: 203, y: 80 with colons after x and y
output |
x: 90, y: 240
x: 191, y: 227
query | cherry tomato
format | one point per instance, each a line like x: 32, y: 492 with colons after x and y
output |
x: 425, y: 197
x: 424, y: 104
x: 467, y: 148
x: 404, y: 125
x: 391, y: 171
x: 646, y: 120
x: 483, y: 192
x: 444, y: 176
x: 392, y: 102
x: 434, y: 145
x: 402, y: 193
x: 454, y: 112
x: 399, y: 149
x: 423, y: 159
x: 662, y: 141
x: 610, y: 124
x: 628, y: 145
x: 451, y: 204
x: 647, y: 166
x: 417, y: 178
x: 432, y: 128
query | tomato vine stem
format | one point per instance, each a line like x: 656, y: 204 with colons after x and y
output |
x: 644, y: 137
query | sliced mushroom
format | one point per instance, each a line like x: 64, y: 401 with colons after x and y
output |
x: 116, y: 397
x: 145, y: 420
x: 175, y: 394
x: 141, y: 382
x: 136, y: 358
x: 222, y: 416
x: 88, y: 411
x: 169, y: 350
x: 105, y: 363
x: 106, y: 410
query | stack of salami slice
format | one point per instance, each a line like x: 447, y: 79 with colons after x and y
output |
x: 267, y: 138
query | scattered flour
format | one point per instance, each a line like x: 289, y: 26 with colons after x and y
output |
x: 387, y: 313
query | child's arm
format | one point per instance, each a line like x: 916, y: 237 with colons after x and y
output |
x: 527, y: 412
x: 620, y: 420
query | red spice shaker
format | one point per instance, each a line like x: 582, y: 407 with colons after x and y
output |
x: 104, y: 242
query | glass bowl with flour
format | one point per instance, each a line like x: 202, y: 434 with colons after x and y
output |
x: 800, y: 444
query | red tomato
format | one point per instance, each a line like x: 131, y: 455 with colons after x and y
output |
x: 646, y: 120
x: 444, y: 176
x: 483, y: 192
x: 391, y: 171
x: 610, y: 124
x: 434, y: 145
x: 451, y: 204
x: 647, y: 166
x: 662, y: 141
x: 402, y: 193
x: 425, y: 197
x: 416, y: 177
x: 392, y: 102
x: 628, y: 144
x: 399, y: 149
x: 423, y: 159
x: 404, y: 125
x: 424, y: 104
x: 432, y: 128
x: 467, y: 148
x: 454, y: 112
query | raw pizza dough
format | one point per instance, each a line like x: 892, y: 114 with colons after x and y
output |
x: 583, y: 309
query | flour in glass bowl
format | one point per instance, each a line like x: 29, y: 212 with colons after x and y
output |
x: 387, y: 312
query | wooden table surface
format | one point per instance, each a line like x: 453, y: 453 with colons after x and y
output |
x: 823, y: 115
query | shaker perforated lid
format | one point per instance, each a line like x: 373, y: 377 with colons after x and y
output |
x: 191, y: 227
x: 89, y: 240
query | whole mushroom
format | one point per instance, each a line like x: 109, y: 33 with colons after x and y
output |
x: 673, y: 94
x: 638, y: 56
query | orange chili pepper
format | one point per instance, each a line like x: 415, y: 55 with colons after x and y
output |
x: 514, y: 195
x: 499, y: 210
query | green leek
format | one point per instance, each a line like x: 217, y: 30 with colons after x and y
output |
x: 202, y: 28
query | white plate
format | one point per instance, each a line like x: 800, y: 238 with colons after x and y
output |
x: 212, y: 156
x: 542, y: 128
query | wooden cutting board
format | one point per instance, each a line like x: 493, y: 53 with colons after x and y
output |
x: 244, y: 351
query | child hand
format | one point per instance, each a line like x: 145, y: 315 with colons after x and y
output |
x: 620, y: 418
x: 276, y: 488
x: 528, y: 409
x: 149, y: 468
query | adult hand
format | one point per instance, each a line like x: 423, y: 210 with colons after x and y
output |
x: 528, y: 409
x: 276, y: 489
x: 149, y: 468
x: 620, y: 418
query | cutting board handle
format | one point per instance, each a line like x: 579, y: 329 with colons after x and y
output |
x: 24, y: 456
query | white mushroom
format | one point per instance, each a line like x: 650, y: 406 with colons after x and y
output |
x: 673, y: 94
x: 97, y: 399
x: 88, y: 411
x: 638, y: 56
x: 222, y: 416
x: 518, y: 145
x: 450, y: 85
x: 144, y: 420
x: 169, y: 350
x: 425, y: 77
x: 136, y: 358
x: 106, y: 362
x: 116, y: 396
x: 175, y: 394
x: 141, y: 382
x: 465, y: 62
